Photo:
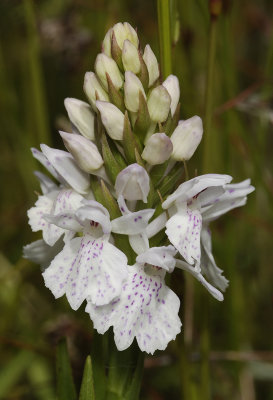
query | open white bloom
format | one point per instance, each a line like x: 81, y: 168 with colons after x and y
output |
x: 192, y: 206
x: 88, y: 266
x: 133, y: 183
x: 53, y: 203
x: 134, y: 225
x: 146, y: 308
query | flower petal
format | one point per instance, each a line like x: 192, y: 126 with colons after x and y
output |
x: 162, y: 257
x: 183, y: 231
x: 41, y: 253
x: 132, y: 223
x: 213, y: 291
x: 93, y: 211
x: 146, y: 309
x: 45, y: 162
x: 87, y: 267
x: 67, y: 168
x: 139, y: 243
x: 47, y: 185
x: 208, y: 265
x: 191, y: 188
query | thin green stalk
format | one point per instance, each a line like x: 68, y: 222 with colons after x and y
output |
x: 207, y: 141
x: 38, y: 114
x: 215, y: 9
x: 164, y: 31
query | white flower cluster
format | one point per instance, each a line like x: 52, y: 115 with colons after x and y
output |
x: 115, y: 192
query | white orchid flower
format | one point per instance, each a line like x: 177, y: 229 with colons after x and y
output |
x: 134, y: 225
x: 88, y: 265
x: 146, y: 308
x: 51, y: 204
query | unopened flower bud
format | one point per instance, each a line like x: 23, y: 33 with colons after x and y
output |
x: 130, y: 57
x: 186, y: 138
x: 172, y: 85
x: 106, y: 43
x: 104, y: 65
x: 158, y: 149
x: 81, y: 115
x: 152, y: 64
x: 132, y: 87
x: 159, y: 103
x: 83, y: 150
x: 133, y: 183
x: 93, y: 89
x: 112, y: 119
x: 122, y: 32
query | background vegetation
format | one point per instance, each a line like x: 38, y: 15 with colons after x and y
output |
x: 45, y: 48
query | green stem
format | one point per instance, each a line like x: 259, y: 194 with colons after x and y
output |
x: 164, y: 31
x: 209, y: 96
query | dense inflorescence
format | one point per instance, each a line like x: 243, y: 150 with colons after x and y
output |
x: 113, y: 218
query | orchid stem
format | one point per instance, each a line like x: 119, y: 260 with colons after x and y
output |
x: 209, y: 95
x: 164, y: 32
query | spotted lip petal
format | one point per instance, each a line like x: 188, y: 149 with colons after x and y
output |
x: 146, y: 309
x: 183, y: 231
x: 87, y: 267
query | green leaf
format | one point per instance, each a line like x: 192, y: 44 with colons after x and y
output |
x: 143, y: 120
x: 87, y: 387
x: 168, y: 183
x: 65, y: 384
x: 116, y: 51
x: 13, y: 371
x: 143, y: 74
x: 99, y: 351
x: 172, y: 121
x: 109, y: 202
x: 135, y: 386
x: 115, y: 95
x: 112, y: 167
x: 130, y: 143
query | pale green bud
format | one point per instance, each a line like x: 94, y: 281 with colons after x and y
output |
x: 93, y: 89
x: 159, y: 103
x: 83, y: 150
x: 152, y: 64
x: 112, y: 119
x: 81, y: 116
x: 104, y: 65
x: 132, y: 87
x: 130, y: 57
x: 186, y: 138
x: 158, y: 149
x: 106, y: 43
x: 172, y: 85
x: 125, y: 31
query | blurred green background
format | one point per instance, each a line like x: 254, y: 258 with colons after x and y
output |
x: 46, y: 46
